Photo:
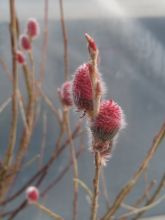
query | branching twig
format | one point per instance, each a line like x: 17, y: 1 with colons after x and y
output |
x: 13, y: 130
x: 43, y: 169
x: 153, y: 197
x: 46, y: 190
x: 60, y: 176
x: 143, y: 209
x: 124, y: 192
x: 143, y: 196
x: 85, y: 187
x: 48, y: 211
x: 50, y: 104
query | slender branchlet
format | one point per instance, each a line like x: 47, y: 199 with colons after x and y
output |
x: 13, y: 130
x: 66, y: 101
x: 93, y: 52
x: 13, y: 34
x: 65, y: 39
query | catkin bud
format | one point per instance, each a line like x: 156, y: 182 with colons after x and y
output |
x: 65, y: 93
x: 32, y: 194
x: 109, y: 121
x: 25, y: 42
x: 20, y: 58
x: 33, y: 28
x: 82, y: 88
x: 91, y: 45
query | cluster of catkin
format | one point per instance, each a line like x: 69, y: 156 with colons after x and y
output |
x: 106, y: 124
x: 32, y: 31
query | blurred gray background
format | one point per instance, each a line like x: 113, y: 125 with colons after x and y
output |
x: 131, y: 39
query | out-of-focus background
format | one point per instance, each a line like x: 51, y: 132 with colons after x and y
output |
x: 131, y: 37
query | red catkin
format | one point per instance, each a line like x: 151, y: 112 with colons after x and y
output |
x: 33, y: 28
x: 65, y: 93
x: 109, y: 121
x: 82, y: 89
x: 32, y: 194
x: 20, y: 58
x: 105, y: 128
x: 25, y: 42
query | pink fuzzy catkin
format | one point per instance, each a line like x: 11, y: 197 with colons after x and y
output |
x: 25, y: 42
x: 109, y: 121
x: 105, y: 128
x: 33, y: 28
x: 82, y: 89
x: 32, y: 194
x: 65, y: 93
x: 20, y: 58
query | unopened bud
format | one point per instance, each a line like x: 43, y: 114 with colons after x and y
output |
x: 32, y: 194
x: 91, y: 43
x: 109, y: 121
x: 25, y: 42
x: 82, y: 88
x: 20, y: 57
x: 33, y: 28
x: 65, y: 93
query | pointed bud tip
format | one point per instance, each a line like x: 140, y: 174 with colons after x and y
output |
x: 91, y: 42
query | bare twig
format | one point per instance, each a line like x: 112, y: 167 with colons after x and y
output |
x: 48, y: 211
x: 96, y: 186
x: 153, y: 197
x: 143, y: 196
x: 61, y: 175
x: 65, y: 40
x: 6, y: 70
x: 43, y: 142
x: 50, y: 104
x: 13, y: 131
x: 75, y: 166
x: 104, y: 186
x: 44, y: 168
x: 145, y: 208
x: 15, y: 212
x: 22, y: 110
x: 26, y: 136
x: 5, y: 104
x: 124, y: 192
x: 85, y: 187
x: 45, y: 42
